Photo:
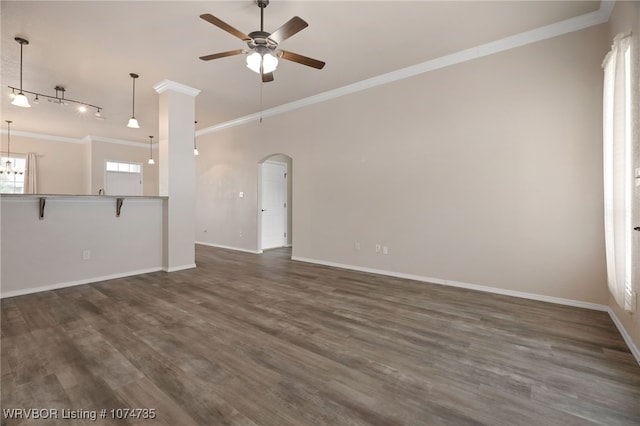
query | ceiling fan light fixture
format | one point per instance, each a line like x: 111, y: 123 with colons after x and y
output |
x: 264, y: 53
x: 258, y: 60
x: 253, y: 62
x: 269, y: 63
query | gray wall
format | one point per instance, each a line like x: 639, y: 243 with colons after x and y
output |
x: 487, y: 172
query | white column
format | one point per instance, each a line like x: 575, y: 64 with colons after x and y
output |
x: 177, y: 172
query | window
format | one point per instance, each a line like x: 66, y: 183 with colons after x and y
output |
x: 617, y: 166
x: 113, y: 166
x: 12, y: 183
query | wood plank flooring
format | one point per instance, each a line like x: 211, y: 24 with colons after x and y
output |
x: 262, y: 340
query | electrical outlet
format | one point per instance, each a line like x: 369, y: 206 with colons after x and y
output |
x: 241, y: 233
x: 356, y: 246
x: 385, y: 250
x: 86, y: 254
x: 378, y: 248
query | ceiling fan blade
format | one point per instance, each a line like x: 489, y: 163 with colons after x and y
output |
x: 222, y: 55
x: 224, y: 26
x: 291, y: 27
x: 267, y: 77
x: 304, y: 60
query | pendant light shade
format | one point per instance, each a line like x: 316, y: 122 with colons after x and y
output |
x: 21, y: 100
x: 151, y: 150
x: 133, y: 123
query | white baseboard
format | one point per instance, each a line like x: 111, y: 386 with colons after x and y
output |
x: 524, y: 295
x: 21, y: 292
x: 627, y: 339
x: 230, y: 247
x: 179, y: 268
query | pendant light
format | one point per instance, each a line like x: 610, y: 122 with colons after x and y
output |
x: 8, y: 167
x: 133, y: 123
x: 195, y: 147
x: 20, y: 99
x: 151, y: 151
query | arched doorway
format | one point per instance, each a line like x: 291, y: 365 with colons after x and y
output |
x: 274, y: 201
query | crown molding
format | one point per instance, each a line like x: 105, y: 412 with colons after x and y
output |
x: 79, y: 141
x: 46, y: 137
x: 566, y: 26
x: 165, y: 85
x: 119, y: 141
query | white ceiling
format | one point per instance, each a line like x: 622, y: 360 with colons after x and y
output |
x: 90, y: 48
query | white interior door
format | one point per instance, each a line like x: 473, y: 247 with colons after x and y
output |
x: 119, y: 183
x: 274, y: 207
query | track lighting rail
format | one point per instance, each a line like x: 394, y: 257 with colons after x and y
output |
x: 58, y: 98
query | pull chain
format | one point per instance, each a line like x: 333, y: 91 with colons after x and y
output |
x: 261, y: 84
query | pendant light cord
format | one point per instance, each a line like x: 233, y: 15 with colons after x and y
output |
x: 21, y: 46
x: 8, y: 139
x: 133, y: 109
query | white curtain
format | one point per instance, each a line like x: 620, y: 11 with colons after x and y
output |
x: 31, y: 172
x: 617, y: 169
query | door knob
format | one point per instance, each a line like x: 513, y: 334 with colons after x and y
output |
x: 264, y: 210
x: 637, y: 228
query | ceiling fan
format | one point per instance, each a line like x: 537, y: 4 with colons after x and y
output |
x: 263, y: 53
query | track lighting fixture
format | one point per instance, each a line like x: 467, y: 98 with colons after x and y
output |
x: 133, y: 122
x: 21, y: 100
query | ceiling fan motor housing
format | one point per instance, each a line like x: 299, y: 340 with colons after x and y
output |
x: 261, y: 38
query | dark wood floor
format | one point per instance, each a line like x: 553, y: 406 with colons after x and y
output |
x: 261, y: 340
